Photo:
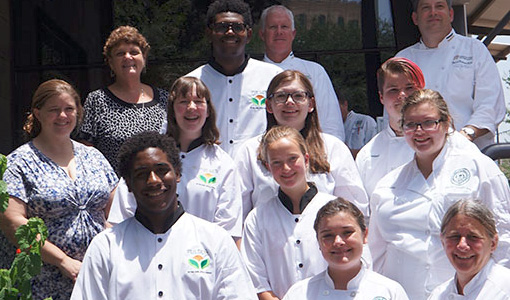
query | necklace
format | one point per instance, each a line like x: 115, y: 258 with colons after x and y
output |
x: 140, y: 110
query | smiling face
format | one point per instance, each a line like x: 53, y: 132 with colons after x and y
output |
x: 397, y: 87
x: 229, y: 44
x: 341, y: 241
x: 153, y: 181
x: 290, y: 113
x: 190, y: 114
x: 467, y: 245
x: 278, y: 33
x: 288, y: 164
x: 433, y: 17
x: 426, y: 144
x: 127, y: 60
x: 58, y: 115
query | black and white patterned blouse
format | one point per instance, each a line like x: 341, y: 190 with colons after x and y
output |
x: 109, y: 121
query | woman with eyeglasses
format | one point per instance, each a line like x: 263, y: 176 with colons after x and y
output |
x: 291, y: 102
x: 469, y: 237
x: 408, y: 203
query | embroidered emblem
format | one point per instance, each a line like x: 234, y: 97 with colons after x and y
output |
x: 379, y: 298
x: 460, y: 176
x: 199, y: 262
x: 207, y: 178
x: 258, y: 100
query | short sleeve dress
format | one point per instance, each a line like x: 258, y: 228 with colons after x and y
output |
x: 73, y: 210
x: 108, y: 121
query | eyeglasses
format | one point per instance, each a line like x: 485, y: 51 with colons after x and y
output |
x: 297, y: 97
x: 223, y: 27
x: 428, y: 125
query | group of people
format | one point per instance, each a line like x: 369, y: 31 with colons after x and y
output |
x: 236, y: 183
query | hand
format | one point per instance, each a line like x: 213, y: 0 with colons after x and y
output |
x: 70, y: 267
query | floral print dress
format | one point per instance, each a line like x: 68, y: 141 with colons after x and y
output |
x: 73, y: 210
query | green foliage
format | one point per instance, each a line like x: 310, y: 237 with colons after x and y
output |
x: 4, y: 196
x: 15, y: 282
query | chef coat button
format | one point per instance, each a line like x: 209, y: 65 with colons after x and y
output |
x: 230, y: 99
x: 296, y: 220
x: 427, y: 267
x: 230, y: 81
x: 160, y: 266
x: 231, y: 141
x: 427, y: 232
x: 183, y: 156
x: 160, y: 240
x: 300, y: 265
x: 353, y: 294
x: 325, y: 293
x: 160, y: 293
x: 298, y: 242
x: 231, y: 120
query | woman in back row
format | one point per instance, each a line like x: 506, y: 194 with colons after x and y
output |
x: 408, y: 204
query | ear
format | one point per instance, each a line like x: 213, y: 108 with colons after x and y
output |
x: 311, y: 104
x: 269, y: 106
x: 36, y: 113
x: 307, y: 159
x: 451, y: 14
x: 381, y: 98
x: 414, y: 17
x: 494, y: 243
x: 249, y: 34
x: 294, y: 32
x: 365, y: 236
x: 178, y: 178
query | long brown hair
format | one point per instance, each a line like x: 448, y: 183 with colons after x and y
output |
x: 181, y: 87
x: 45, y: 91
x: 312, y: 131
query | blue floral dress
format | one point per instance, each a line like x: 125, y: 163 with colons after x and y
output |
x: 73, y: 210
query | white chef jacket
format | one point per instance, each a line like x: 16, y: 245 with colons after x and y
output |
x: 492, y: 283
x: 359, y: 129
x: 407, y: 210
x: 464, y: 72
x: 194, y: 259
x: 281, y: 248
x: 239, y: 100
x: 366, y: 285
x: 385, y: 152
x: 258, y: 185
x: 209, y: 189
x: 328, y: 108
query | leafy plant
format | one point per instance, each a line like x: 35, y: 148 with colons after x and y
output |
x: 15, y: 282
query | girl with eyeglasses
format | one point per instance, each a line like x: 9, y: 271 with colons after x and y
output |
x: 408, y: 203
x: 290, y: 102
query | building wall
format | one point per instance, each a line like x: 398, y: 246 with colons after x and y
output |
x: 5, y: 78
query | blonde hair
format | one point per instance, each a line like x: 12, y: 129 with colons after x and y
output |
x: 277, y: 133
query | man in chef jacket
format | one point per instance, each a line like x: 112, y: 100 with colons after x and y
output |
x: 460, y: 68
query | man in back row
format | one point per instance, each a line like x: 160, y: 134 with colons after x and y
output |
x: 278, y: 32
x: 460, y: 68
x: 237, y: 82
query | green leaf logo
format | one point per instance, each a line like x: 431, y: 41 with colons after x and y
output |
x: 207, y: 178
x: 199, y: 262
x: 259, y: 100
